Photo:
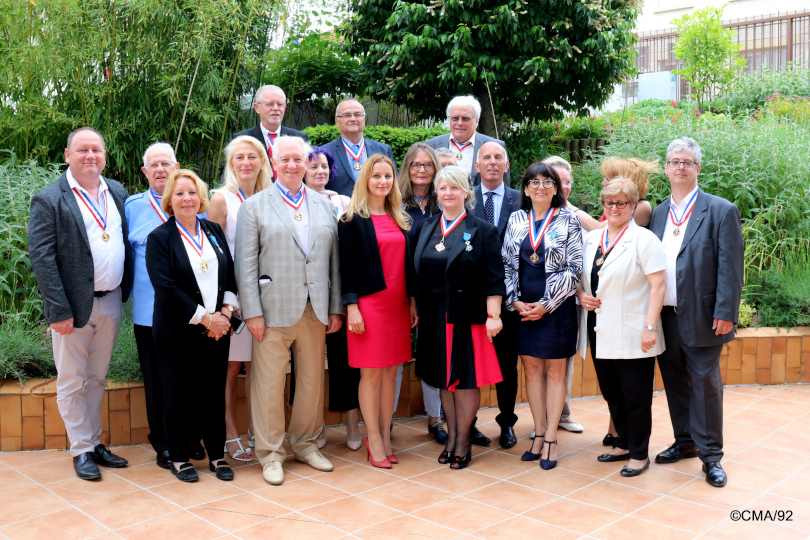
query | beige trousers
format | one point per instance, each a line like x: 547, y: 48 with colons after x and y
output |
x: 271, y: 356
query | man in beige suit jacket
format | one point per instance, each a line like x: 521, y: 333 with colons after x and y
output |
x: 288, y: 275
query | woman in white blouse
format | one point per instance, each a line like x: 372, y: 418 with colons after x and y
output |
x: 191, y: 268
x: 622, y: 292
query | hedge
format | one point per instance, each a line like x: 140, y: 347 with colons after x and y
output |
x: 400, y: 139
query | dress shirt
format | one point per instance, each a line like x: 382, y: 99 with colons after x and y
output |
x: 355, y: 148
x: 108, y: 257
x: 497, y: 199
x: 207, y: 280
x: 302, y: 225
x: 142, y: 220
x: 467, y: 155
x: 672, y: 246
x: 266, y: 132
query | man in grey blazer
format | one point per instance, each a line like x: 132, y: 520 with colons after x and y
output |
x: 77, y: 233
x: 288, y: 275
x: 704, y: 249
x: 463, y: 113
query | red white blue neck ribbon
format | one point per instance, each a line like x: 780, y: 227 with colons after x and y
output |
x: 606, y: 244
x: 94, y: 211
x: 359, y: 154
x: 294, y: 202
x: 462, y: 147
x: 688, y: 210
x: 196, y: 241
x: 447, y: 227
x: 536, y: 234
x: 241, y: 195
x: 155, y: 201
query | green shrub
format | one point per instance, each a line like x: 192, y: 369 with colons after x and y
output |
x: 794, y: 107
x: 749, y: 92
x: 124, y: 365
x: 747, y: 314
x: 781, y: 294
x: 529, y: 143
x: 400, y: 139
x: 25, y: 351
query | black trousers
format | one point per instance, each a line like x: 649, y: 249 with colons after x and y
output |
x: 506, y: 350
x: 147, y: 355
x: 343, y: 379
x: 193, y: 369
x: 694, y: 389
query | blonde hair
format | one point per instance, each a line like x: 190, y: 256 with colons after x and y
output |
x: 202, y: 190
x: 557, y: 161
x: 265, y: 178
x: 456, y: 176
x: 393, y: 202
x: 635, y: 169
x: 620, y: 185
x: 405, y: 183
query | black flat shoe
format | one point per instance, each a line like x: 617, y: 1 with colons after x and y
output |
x: 675, y: 453
x: 461, y: 462
x: 529, y: 456
x: 609, y: 440
x: 186, y: 473
x: 163, y: 459
x: 508, y: 438
x: 547, y: 464
x: 627, y: 472
x: 610, y: 458
x: 445, y: 457
x: 436, y: 429
x: 102, y: 456
x: 196, y: 451
x: 85, y: 467
x: 715, y: 475
x: 478, y: 438
x: 222, y: 470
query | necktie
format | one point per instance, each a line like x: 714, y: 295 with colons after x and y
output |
x: 270, y: 152
x: 489, y: 208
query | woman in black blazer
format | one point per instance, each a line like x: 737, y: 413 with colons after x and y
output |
x: 460, y: 285
x: 190, y: 266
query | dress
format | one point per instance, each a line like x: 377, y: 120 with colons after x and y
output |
x: 386, y: 314
x: 554, y: 335
x: 241, y: 343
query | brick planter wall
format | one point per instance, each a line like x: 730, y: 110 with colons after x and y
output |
x: 32, y: 422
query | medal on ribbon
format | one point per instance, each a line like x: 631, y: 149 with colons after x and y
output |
x: 95, y: 212
x: 196, y: 242
x: 607, y: 246
x: 447, y: 227
x: 684, y: 216
x: 155, y: 201
x: 467, y: 237
x: 461, y: 148
x: 355, y: 157
x: 295, y: 203
x: 536, y: 234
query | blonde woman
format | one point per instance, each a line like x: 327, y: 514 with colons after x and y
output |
x: 247, y: 171
x: 378, y: 287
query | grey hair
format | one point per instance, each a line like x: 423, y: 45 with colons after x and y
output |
x: 159, y: 146
x: 456, y: 176
x: 686, y: 144
x: 287, y: 139
x: 557, y: 161
x: 86, y: 128
x: 342, y: 101
x: 445, y: 152
x: 505, y: 153
x: 465, y: 101
x: 268, y: 88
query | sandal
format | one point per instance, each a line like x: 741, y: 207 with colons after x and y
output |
x: 240, y: 452
x: 251, y: 439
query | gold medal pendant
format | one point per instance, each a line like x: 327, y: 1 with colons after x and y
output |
x: 357, y: 166
x: 459, y: 156
x: 440, y: 246
x: 298, y: 216
x: 534, y: 257
x: 105, y: 236
x: 204, y: 266
x: 599, y: 261
x: 676, y: 232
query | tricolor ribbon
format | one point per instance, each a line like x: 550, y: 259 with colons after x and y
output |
x: 296, y: 202
x: 447, y: 227
x: 686, y: 211
x: 535, y: 235
x: 196, y: 245
x: 241, y: 195
x: 359, y: 154
x: 462, y: 147
x: 606, y: 244
x: 155, y: 200
x: 101, y: 220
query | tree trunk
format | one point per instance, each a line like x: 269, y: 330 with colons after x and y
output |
x: 486, y: 124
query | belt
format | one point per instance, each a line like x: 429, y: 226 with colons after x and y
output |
x: 101, y: 294
x: 673, y: 308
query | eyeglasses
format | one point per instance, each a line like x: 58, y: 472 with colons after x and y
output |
x: 158, y: 164
x: 534, y: 184
x: 464, y: 119
x: 685, y: 164
x: 416, y: 166
x: 618, y: 204
x: 271, y: 104
x: 349, y: 116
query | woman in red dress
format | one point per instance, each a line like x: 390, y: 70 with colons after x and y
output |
x: 378, y: 288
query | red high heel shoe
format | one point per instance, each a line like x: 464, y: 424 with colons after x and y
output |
x: 384, y: 464
x: 392, y: 458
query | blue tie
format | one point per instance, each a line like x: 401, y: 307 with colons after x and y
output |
x: 489, y: 208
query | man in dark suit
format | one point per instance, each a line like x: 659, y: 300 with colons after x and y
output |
x: 704, y: 256
x: 270, y: 104
x: 351, y: 149
x: 77, y: 243
x: 463, y: 113
x: 494, y: 202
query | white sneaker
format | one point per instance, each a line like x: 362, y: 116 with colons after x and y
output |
x: 317, y: 461
x: 574, y: 427
x: 273, y: 473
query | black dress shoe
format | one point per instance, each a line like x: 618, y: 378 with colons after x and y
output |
x: 222, y: 470
x: 675, y: 453
x: 197, y: 451
x: 437, y: 430
x: 627, y: 472
x: 478, y: 438
x: 102, y: 456
x: 186, y: 472
x: 610, y: 458
x: 715, y: 475
x: 609, y: 440
x: 163, y: 459
x: 508, y: 439
x: 85, y: 467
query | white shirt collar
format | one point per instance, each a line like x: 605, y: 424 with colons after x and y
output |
x: 500, y: 190
x: 74, y: 184
x: 685, y: 200
x: 267, y: 132
x: 470, y: 140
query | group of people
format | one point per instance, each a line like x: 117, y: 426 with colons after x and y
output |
x: 306, y: 254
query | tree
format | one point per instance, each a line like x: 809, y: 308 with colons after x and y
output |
x: 535, y: 59
x: 708, y: 52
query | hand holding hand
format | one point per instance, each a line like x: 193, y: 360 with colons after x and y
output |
x: 257, y: 327
x: 533, y: 311
x: 63, y: 328
x: 219, y: 325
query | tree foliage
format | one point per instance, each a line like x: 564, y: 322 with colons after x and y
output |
x: 534, y: 58
x: 710, y: 56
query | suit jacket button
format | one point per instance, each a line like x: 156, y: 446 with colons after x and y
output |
x: 596, y: 329
x: 597, y: 311
x: 599, y: 273
x: 307, y: 262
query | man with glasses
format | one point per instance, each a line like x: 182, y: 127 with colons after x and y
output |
x: 463, y: 113
x: 270, y: 104
x: 704, y: 248
x: 351, y: 149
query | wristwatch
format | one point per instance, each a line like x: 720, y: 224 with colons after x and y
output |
x: 650, y: 327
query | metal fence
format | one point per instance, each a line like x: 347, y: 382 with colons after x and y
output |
x: 768, y: 41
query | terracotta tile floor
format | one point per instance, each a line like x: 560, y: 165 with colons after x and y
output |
x: 498, y: 497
